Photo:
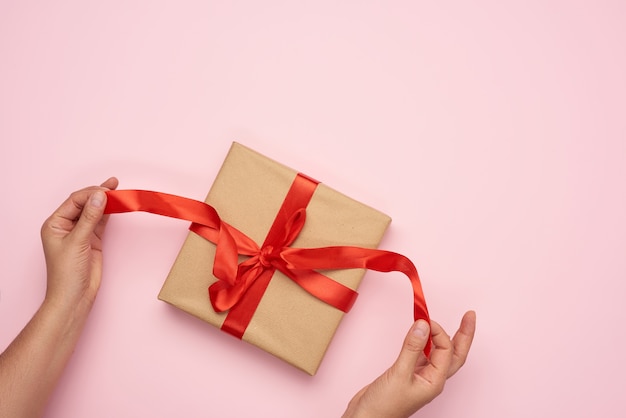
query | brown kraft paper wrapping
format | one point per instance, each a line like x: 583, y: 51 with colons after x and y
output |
x: 289, y: 322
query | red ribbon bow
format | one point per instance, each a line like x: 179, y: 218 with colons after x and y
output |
x: 241, y: 286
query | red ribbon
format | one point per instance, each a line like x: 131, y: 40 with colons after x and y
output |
x: 240, y: 286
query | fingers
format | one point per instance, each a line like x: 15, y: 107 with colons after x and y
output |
x: 462, y: 341
x: 413, y: 348
x: 71, y: 209
x: 111, y: 183
x: 73, y: 206
x: 80, y: 206
x: 91, y: 216
x: 436, y: 372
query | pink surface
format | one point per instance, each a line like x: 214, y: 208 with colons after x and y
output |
x: 493, y: 133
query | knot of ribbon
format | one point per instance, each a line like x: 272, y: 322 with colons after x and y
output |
x: 265, y: 256
x: 241, y: 285
x: 236, y: 279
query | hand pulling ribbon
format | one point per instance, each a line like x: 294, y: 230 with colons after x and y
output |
x: 240, y: 286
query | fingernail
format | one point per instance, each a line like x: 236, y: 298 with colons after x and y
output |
x: 97, y: 199
x: 420, y: 329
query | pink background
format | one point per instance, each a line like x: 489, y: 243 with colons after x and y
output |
x: 493, y: 133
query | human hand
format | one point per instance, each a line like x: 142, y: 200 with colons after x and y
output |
x: 72, y: 243
x: 414, y: 380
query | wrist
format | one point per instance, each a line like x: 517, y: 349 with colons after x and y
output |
x: 66, y: 307
x: 68, y: 293
x: 356, y: 410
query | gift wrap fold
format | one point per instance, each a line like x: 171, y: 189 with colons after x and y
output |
x: 281, y: 263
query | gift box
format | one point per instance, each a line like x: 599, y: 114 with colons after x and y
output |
x: 280, y: 263
x: 288, y: 322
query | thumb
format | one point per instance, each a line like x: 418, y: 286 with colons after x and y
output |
x: 90, y: 216
x: 413, y: 347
